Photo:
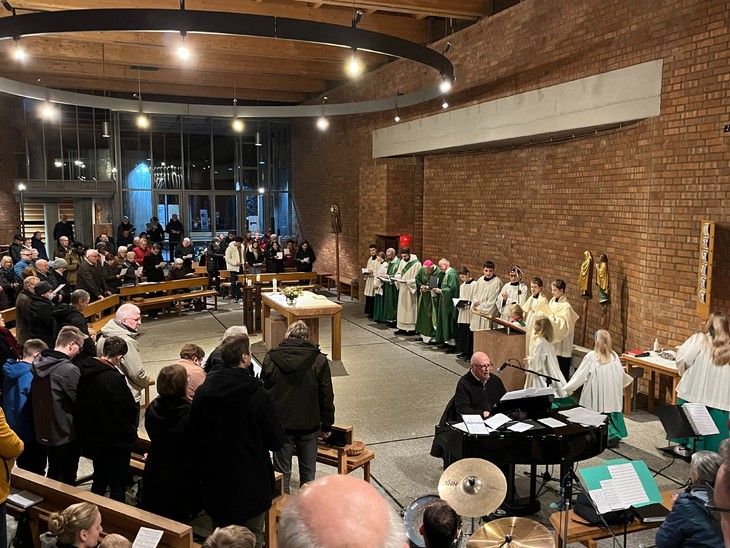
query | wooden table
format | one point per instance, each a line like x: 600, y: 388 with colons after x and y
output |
x: 655, y: 365
x: 308, y: 307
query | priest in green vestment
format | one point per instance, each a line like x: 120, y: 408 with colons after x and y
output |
x: 427, y: 316
x: 390, y: 290
x: 448, y: 290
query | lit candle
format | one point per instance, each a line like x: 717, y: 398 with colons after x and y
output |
x: 258, y: 278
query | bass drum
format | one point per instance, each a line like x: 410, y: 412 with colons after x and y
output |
x: 413, y: 518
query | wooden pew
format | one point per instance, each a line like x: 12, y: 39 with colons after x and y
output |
x: 99, y: 312
x: 352, y: 288
x: 282, y: 278
x: 116, y: 516
x: 9, y: 317
x: 169, y: 297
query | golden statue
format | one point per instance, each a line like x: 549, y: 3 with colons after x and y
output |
x: 586, y: 275
x: 602, y: 279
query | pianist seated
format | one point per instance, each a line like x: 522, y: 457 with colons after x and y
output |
x: 477, y: 391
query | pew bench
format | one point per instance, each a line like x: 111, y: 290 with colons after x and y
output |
x: 171, y: 298
x: 353, y: 288
x: 338, y: 457
x: 99, y: 312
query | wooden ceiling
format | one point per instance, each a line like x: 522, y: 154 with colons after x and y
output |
x: 263, y: 70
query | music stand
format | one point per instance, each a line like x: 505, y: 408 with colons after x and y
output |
x: 531, y: 407
x: 676, y: 425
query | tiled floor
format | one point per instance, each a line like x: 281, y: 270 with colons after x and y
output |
x: 393, y: 391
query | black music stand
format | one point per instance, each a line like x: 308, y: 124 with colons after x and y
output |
x: 533, y: 407
x: 676, y: 425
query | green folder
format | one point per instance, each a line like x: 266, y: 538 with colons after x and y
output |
x: 593, y: 476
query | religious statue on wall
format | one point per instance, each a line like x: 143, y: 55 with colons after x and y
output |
x: 586, y: 276
x: 336, y: 220
x: 98, y: 213
x: 602, y: 281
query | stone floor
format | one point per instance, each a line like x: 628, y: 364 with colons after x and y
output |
x: 393, y: 391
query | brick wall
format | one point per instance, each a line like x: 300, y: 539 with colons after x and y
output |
x: 10, y: 137
x: 637, y: 193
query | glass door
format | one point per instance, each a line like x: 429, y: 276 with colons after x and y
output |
x: 167, y: 205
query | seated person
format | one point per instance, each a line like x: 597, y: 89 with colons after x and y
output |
x: 115, y: 540
x: 441, y: 525
x: 78, y: 525
x: 232, y: 536
x: 690, y: 523
x: 477, y: 391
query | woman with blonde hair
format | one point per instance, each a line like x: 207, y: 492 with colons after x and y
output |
x: 603, y: 380
x: 543, y: 359
x: 703, y: 361
x: 78, y: 525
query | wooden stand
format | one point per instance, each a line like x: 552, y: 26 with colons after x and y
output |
x: 500, y: 347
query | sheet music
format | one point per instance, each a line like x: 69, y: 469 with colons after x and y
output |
x: 519, y: 427
x: 475, y: 424
x: 582, y: 415
x: 700, y: 419
x: 497, y: 420
x: 552, y: 423
x: 599, y: 499
x: 612, y: 495
x: 460, y: 426
x: 528, y: 393
x: 627, y: 482
x: 147, y: 538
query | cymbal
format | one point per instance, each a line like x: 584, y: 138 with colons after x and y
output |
x: 473, y: 487
x: 511, y: 533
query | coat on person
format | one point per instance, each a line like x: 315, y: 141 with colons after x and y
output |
x: 40, y: 324
x: 689, y: 523
x: 11, y: 446
x: 65, y: 314
x: 131, y: 366
x: 53, y: 392
x: 90, y: 278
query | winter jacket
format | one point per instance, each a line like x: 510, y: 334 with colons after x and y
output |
x: 298, y: 376
x: 131, y: 366
x: 16, y: 398
x: 169, y: 459
x: 73, y: 261
x: 216, y: 257
x: 690, y: 524
x: 109, y: 272
x: 65, y: 314
x: 106, y: 413
x: 40, y: 324
x: 7, y: 282
x: 91, y: 279
x: 22, y: 315
x: 11, y: 446
x: 234, y: 423
x: 150, y: 270
x: 53, y: 393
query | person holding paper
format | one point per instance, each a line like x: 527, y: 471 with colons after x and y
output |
x: 603, y: 380
x: 390, y: 289
x: 427, y: 314
x: 153, y: 268
x: 478, y: 390
x: 305, y: 257
x: 254, y: 258
x: 563, y: 318
x: 274, y: 257
x: 703, y: 361
x: 234, y: 264
x: 484, y: 297
x: 369, y: 272
x: 446, y: 319
x: 380, y: 269
x: 689, y: 523
x: 543, y: 360
x: 289, y: 252
x: 535, y: 305
x: 186, y: 252
x: 513, y: 292
x: 407, y: 297
x: 90, y: 277
x: 464, y: 336
x: 78, y: 525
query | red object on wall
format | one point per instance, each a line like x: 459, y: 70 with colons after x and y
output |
x: 406, y: 240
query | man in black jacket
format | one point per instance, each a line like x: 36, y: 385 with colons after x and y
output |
x: 40, y: 324
x: 215, y: 262
x: 234, y: 423
x: 72, y: 314
x: 90, y: 277
x: 298, y: 376
x: 106, y: 419
x: 478, y: 390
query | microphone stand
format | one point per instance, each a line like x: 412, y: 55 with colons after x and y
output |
x: 548, y: 379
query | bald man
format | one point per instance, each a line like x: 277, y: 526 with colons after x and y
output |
x: 341, y: 511
x: 478, y: 390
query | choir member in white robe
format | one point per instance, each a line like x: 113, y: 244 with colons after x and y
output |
x: 464, y: 335
x: 513, y: 292
x: 484, y: 298
x: 603, y: 380
x: 563, y: 318
x: 381, y: 269
x: 535, y: 306
x: 371, y: 268
x: 543, y: 360
x: 703, y: 361
x: 407, y: 293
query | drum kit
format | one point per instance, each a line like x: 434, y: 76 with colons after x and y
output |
x: 475, y: 488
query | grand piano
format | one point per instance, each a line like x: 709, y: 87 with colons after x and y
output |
x: 563, y: 446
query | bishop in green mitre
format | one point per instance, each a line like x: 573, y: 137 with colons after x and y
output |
x: 390, y: 289
x: 448, y: 290
x: 427, y: 317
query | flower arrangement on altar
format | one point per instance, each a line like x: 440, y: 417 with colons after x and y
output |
x: 291, y: 292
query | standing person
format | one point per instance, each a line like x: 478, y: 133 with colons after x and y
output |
x: 485, y: 294
x: 186, y: 252
x: 371, y: 268
x: 63, y: 227
x: 603, y: 379
x: 427, y: 314
x: 235, y: 424
x: 390, y: 289
x: 63, y: 288
x: 215, y: 261
x: 381, y: 269
x: 8, y: 282
x: 234, y: 257
x: 536, y: 305
x: 167, y: 422
x: 9, y: 347
x: 141, y: 250
x: 290, y: 252
x: 11, y: 446
x: 464, y: 335
x: 155, y: 232
x: 153, y: 269
x: 175, y: 230
x: 703, y: 361
x: 448, y: 290
x: 543, y: 360
x: 107, y: 239
x: 513, y: 292
x: 22, y: 264
x: 90, y: 277
x: 125, y: 225
x: 130, y: 268
x: 305, y: 257
x: 15, y: 248
x: 73, y: 260
x: 191, y: 358
x: 19, y: 409
x: 37, y: 242
x: 254, y: 258
x: 22, y: 309
x: 40, y: 325
x: 274, y: 257
x: 73, y: 314
x: 63, y: 248
x: 125, y: 239
x: 441, y: 525
x: 407, y: 298
x: 53, y: 393
x: 563, y: 318
x: 106, y: 419
x: 298, y: 376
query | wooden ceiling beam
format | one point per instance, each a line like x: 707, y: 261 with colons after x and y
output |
x: 461, y: 9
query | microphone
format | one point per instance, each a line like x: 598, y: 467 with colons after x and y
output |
x: 504, y: 366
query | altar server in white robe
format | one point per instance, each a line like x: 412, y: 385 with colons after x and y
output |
x: 371, y: 268
x: 563, y: 318
x: 703, y: 361
x: 542, y: 359
x: 513, y: 292
x: 464, y: 336
x: 407, y: 293
x: 485, y: 294
x: 535, y: 306
x: 603, y: 380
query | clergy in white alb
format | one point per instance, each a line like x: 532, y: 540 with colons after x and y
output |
x: 407, y: 292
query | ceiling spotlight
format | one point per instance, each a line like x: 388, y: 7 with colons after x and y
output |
x: 19, y: 53
x: 48, y: 111
x: 323, y: 123
x: 58, y: 163
x: 105, y: 130
x: 445, y: 104
x: 182, y: 51
x: 261, y: 190
x: 237, y: 125
x: 445, y: 85
x: 356, y: 19
x: 143, y: 122
x: 354, y: 66
x: 258, y: 139
x: 397, y: 117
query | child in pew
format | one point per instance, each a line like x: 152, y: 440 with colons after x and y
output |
x: 115, y: 541
x: 232, y: 536
x: 78, y: 525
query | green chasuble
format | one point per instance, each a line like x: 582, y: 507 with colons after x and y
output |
x: 390, y: 294
x: 446, y: 327
x: 427, y: 305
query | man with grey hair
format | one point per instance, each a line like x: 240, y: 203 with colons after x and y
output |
x: 185, y: 251
x: 125, y: 324
x: 722, y: 496
x: 340, y: 510
x: 22, y: 309
x: 298, y: 376
x: 90, y: 277
x: 73, y: 314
